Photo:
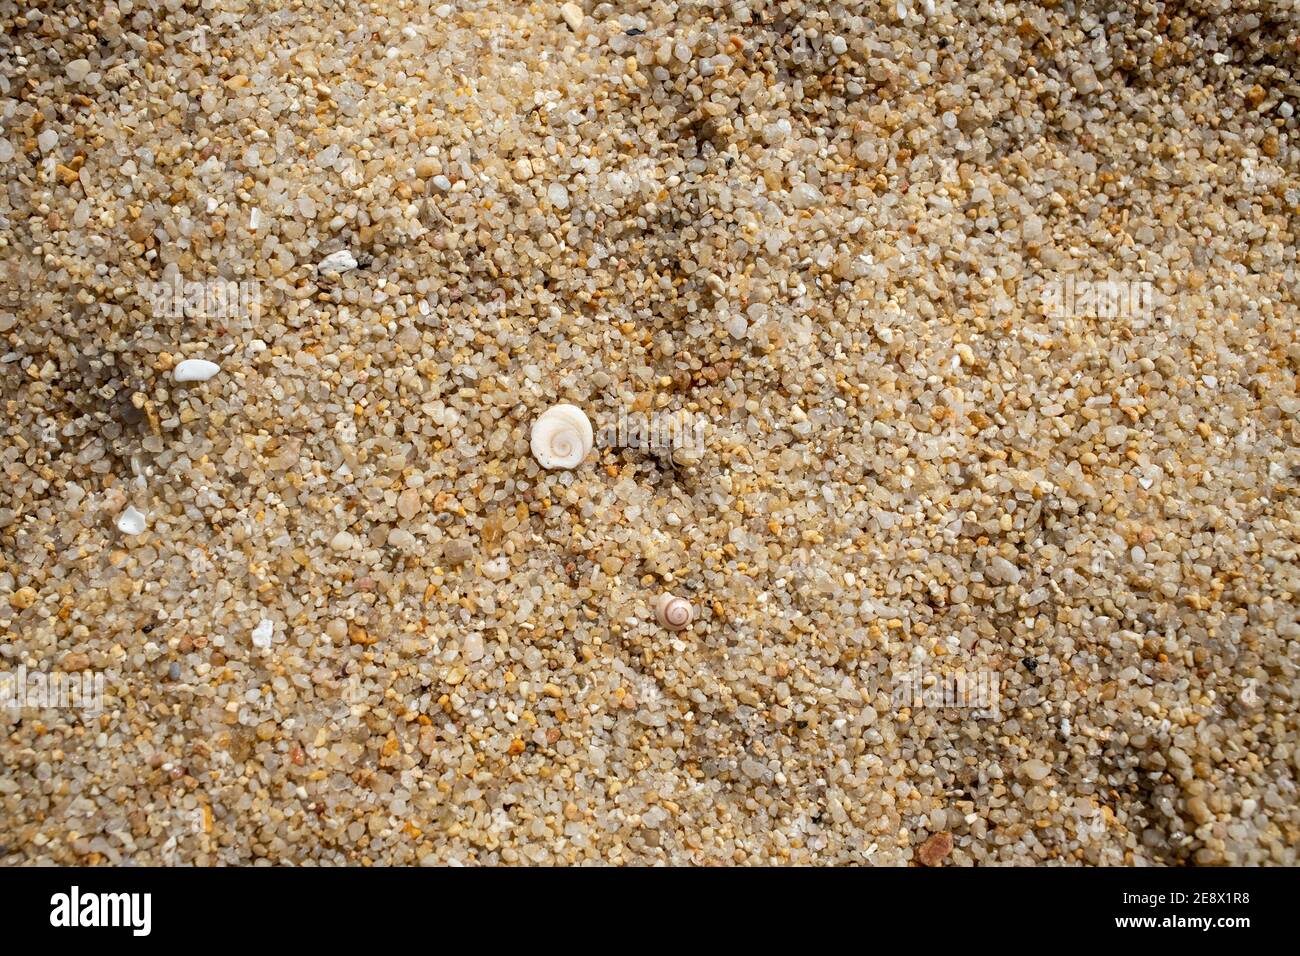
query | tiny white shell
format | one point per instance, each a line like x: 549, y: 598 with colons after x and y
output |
x: 263, y: 633
x: 561, y: 437
x: 341, y: 261
x: 673, y: 612
x: 130, y: 521
x: 195, y: 370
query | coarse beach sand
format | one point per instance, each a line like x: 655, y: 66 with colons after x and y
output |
x: 941, y: 498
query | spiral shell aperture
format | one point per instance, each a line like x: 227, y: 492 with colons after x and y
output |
x: 561, y: 437
x: 673, y: 612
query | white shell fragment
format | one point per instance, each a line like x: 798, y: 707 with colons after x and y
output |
x: 673, y: 612
x: 262, y: 634
x: 341, y: 261
x: 561, y: 437
x: 195, y: 370
x: 130, y: 521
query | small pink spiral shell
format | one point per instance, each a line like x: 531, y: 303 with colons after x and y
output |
x: 673, y: 612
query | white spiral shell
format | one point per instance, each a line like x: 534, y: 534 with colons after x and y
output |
x: 561, y: 437
x: 673, y: 612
